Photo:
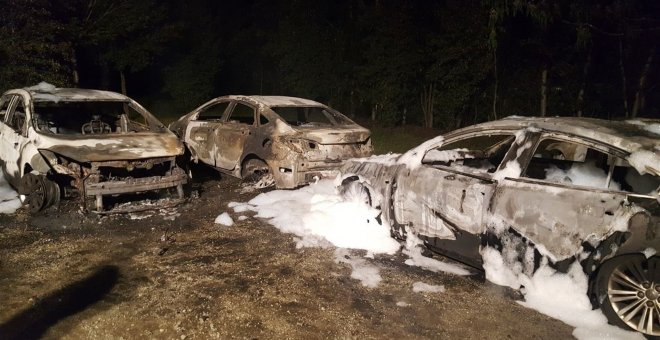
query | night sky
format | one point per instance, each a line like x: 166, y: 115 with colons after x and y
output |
x: 464, y: 61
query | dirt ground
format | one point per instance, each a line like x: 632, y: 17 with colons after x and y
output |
x: 70, y: 276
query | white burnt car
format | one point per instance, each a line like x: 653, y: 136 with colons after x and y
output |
x: 294, y: 139
x: 63, y: 143
x: 561, y: 190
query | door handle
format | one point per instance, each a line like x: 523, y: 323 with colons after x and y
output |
x: 15, y: 145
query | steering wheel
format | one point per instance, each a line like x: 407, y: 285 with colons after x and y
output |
x: 96, y: 126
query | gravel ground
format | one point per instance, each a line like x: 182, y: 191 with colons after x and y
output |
x: 177, y: 275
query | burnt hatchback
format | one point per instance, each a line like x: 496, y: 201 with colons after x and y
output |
x: 560, y: 191
x: 294, y: 139
x: 67, y: 143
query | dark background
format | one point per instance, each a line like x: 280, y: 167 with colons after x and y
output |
x: 441, y: 63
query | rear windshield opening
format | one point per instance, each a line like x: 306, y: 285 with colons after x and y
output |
x: 310, y: 116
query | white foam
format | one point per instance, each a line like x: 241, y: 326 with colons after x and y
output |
x: 9, y: 201
x: 224, y: 219
x: 421, y: 287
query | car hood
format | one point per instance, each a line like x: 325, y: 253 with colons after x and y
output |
x: 112, y: 147
x: 335, y: 134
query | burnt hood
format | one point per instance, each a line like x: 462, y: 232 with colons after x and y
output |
x: 113, y: 147
x: 335, y: 134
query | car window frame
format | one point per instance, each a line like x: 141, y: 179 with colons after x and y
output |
x: 471, y: 134
x: 22, y: 131
x: 213, y: 103
x: 230, y: 110
x: 590, y: 143
x: 12, y: 101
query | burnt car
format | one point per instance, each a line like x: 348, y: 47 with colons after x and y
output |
x: 294, y: 139
x: 78, y: 143
x: 538, y: 190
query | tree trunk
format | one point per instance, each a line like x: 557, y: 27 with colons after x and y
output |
x: 639, y: 95
x: 123, y: 82
x: 496, y: 84
x: 122, y: 78
x: 544, y: 90
x: 351, y: 110
x: 427, y: 98
x: 585, y: 74
x: 622, y: 70
x: 74, y: 67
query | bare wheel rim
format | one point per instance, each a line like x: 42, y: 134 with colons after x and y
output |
x: 254, y: 169
x: 633, y: 291
x: 29, y: 182
x: 37, y: 198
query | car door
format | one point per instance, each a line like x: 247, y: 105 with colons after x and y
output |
x: 445, y: 197
x: 566, y: 194
x: 233, y: 133
x: 200, y: 135
x: 13, y: 131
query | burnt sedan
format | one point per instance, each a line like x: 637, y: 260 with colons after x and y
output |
x: 66, y: 143
x: 294, y: 139
x: 554, y: 190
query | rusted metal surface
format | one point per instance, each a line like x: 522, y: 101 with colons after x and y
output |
x: 295, y: 155
x: 131, y: 151
x: 451, y: 200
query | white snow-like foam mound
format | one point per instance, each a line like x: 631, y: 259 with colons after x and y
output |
x: 224, y: 219
x: 317, y: 215
x: 421, y: 287
x: 367, y: 273
x: 9, y: 201
x: 562, y: 296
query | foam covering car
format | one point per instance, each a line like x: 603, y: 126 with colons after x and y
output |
x: 537, y: 190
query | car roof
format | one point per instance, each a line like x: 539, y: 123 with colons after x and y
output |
x: 44, y: 92
x: 627, y: 135
x: 277, y: 100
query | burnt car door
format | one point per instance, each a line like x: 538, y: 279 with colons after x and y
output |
x: 570, y: 191
x: 444, y: 198
x: 13, y: 133
x: 233, y: 133
x: 201, y: 131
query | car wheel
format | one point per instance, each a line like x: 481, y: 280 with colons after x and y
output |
x: 357, y: 192
x: 254, y: 169
x: 628, y: 289
x: 40, y: 192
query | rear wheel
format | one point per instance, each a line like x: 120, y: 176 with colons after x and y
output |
x: 356, y: 191
x: 628, y: 289
x: 254, y: 170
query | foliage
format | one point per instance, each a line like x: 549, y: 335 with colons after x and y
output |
x: 31, y: 45
x: 372, y: 59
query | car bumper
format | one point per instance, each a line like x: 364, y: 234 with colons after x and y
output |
x: 289, y: 176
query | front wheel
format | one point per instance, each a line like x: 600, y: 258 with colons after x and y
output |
x: 628, y: 289
x: 40, y: 192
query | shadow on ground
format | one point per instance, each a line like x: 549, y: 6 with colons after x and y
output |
x: 33, y: 322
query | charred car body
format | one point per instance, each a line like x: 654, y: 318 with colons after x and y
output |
x: 294, y: 139
x: 62, y: 143
x: 560, y: 190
